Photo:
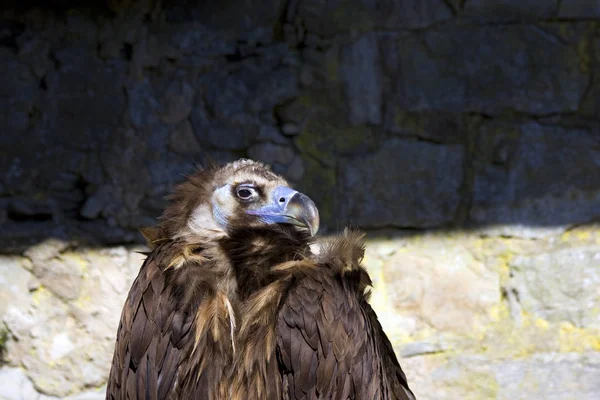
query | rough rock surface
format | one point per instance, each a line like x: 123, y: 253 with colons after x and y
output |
x: 105, y: 112
x: 498, y: 71
x: 62, y: 342
x: 560, y: 285
x: 392, y: 186
x: 470, y: 316
x: 468, y: 130
x: 535, y: 175
x: 492, y: 318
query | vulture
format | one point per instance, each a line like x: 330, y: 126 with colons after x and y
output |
x: 231, y: 303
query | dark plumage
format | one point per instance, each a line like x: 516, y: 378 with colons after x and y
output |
x: 232, y: 304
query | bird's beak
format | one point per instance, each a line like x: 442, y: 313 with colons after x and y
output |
x: 288, y: 206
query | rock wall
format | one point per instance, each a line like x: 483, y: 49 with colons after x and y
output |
x: 463, y: 135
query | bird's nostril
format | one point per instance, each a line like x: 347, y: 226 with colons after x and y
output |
x: 282, y: 199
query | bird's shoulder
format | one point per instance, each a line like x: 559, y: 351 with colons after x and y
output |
x: 329, y: 338
x: 159, y: 326
x: 342, y: 256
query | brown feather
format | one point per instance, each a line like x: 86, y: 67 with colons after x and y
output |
x: 246, y: 311
x: 329, y: 342
x: 152, y: 235
x: 154, y: 348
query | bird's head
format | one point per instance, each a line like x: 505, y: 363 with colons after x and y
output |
x: 243, y: 195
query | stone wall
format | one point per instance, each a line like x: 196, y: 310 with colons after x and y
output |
x: 462, y: 135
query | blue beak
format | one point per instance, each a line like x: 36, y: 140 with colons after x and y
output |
x: 288, y: 206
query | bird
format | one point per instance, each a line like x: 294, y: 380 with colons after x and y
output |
x: 234, y: 302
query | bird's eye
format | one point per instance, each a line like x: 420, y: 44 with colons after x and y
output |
x: 246, y: 193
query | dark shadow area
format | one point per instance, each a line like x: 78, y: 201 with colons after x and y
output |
x: 3, y: 340
x: 392, y: 117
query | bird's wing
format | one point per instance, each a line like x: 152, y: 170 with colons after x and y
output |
x: 396, y: 383
x: 330, y: 344
x: 156, y: 336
